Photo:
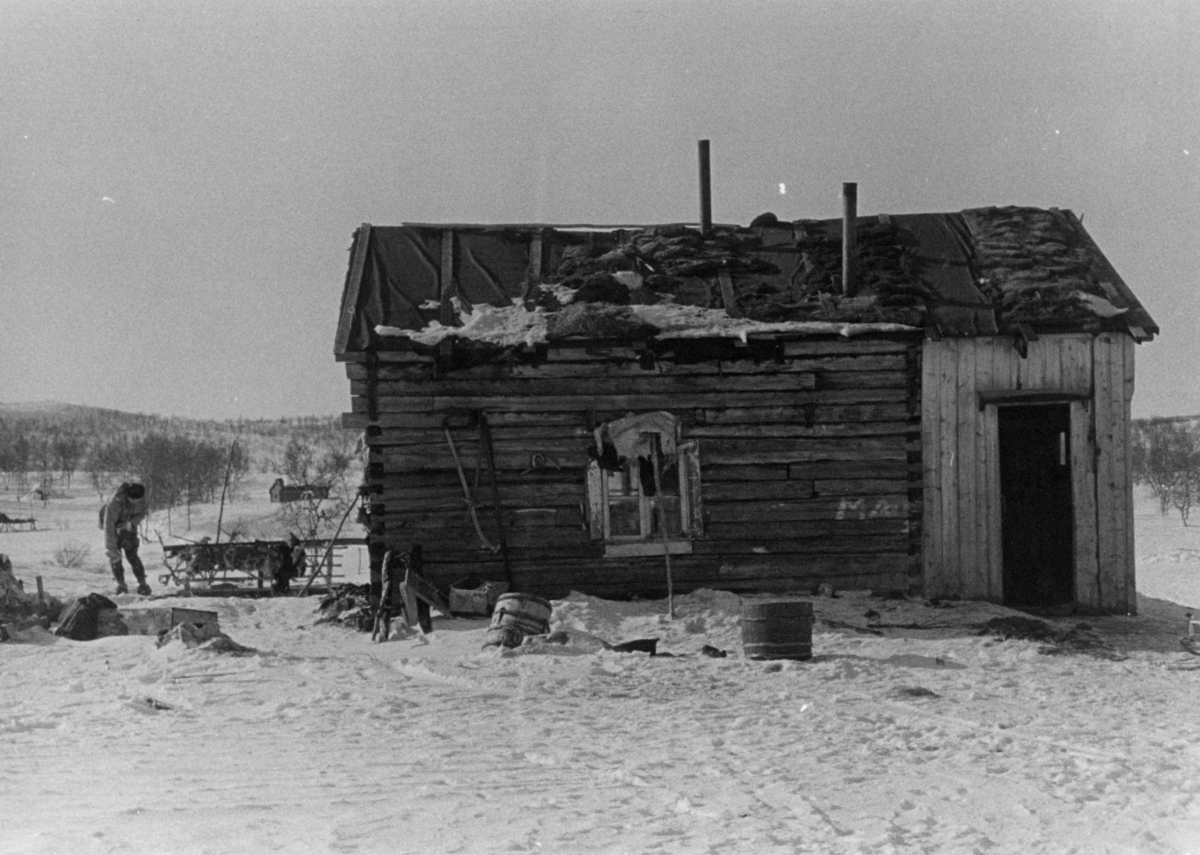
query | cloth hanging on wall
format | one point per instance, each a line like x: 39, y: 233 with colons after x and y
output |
x: 632, y: 435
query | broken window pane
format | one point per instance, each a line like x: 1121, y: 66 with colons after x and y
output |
x: 671, y: 514
x: 624, y: 517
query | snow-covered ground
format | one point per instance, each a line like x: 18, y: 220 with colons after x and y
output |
x: 935, y: 739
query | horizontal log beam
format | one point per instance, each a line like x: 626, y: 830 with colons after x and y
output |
x: 831, y: 566
x: 716, y: 474
x: 775, y: 412
x: 801, y: 546
x: 637, y: 403
x: 632, y: 367
x: 645, y: 384
x: 801, y: 511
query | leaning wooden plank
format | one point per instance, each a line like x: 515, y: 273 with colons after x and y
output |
x: 354, y: 275
x: 420, y: 588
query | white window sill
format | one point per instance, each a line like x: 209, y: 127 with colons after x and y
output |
x: 638, y: 548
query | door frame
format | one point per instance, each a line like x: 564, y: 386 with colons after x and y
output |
x: 1082, y: 442
x: 1067, y: 438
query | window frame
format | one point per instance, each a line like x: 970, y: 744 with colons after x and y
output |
x: 645, y: 542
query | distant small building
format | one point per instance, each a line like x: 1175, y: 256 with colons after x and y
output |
x: 281, y: 492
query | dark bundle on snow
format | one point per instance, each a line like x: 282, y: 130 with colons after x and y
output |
x: 1080, y: 638
x: 348, y: 605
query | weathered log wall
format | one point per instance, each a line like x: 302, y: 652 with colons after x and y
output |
x: 810, y: 463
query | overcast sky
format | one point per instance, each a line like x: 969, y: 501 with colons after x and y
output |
x: 180, y: 181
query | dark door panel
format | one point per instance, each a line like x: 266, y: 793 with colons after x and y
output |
x: 1037, y: 518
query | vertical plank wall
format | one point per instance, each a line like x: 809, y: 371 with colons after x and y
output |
x: 961, y: 538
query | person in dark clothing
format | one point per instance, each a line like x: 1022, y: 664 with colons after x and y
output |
x: 285, y: 570
x: 120, y: 518
x: 299, y: 559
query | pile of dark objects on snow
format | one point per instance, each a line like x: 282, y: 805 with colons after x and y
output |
x: 20, y: 610
x: 348, y: 605
x: 1081, y: 638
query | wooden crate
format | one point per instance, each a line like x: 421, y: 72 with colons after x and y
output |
x: 159, y: 620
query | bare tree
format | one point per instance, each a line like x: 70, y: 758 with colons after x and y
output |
x: 69, y: 449
x: 1166, y: 458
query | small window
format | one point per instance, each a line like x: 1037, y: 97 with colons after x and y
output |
x: 639, y: 505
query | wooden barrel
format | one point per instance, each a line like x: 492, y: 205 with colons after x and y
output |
x: 777, y: 629
x: 516, y: 616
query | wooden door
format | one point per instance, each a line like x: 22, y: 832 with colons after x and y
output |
x: 1037, y: 516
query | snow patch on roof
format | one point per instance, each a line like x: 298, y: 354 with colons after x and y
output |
x: 675, y: 321
x: 508, y: 326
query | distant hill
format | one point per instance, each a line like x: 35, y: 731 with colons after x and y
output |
x: 1167, y: 419
x: 44, y: 435
x: 60, y: 416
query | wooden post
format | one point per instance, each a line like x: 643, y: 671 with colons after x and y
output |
x: 221, y: 512
x: 447, y: 287
x: 485, y: 443
x: 849, y: 238
x: 705, y: 190
x: 329, y: 549
x: 662, y: 526
x: 728, y: 296
x: 41, y: 592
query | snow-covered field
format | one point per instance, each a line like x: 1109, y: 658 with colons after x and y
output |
x: 913, y: 740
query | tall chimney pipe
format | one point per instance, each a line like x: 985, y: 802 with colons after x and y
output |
x: 849, y: 238
x: 705, y: 190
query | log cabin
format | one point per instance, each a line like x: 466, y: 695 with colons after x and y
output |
x: 934, y: 404
x: 281, y: 492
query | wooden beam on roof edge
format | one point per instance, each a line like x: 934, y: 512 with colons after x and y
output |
x: 728, y: 296
x: 358, y: 260
x: 1140, y: 317
x: 849, y: 238
x: 446, y: 282
x: 533, y: 275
